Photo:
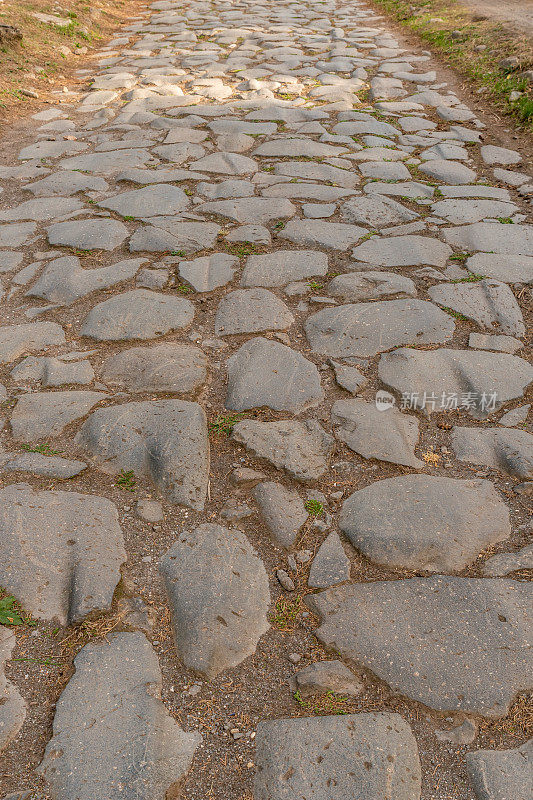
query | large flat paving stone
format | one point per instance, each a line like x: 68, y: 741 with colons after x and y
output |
x: 490, y: 237
x: 357, y: 756
x: 150, y: 201
x: 353, y: 287
x: 226, y: 164
x: 46, y: 466
x: 439, y: 640
x: 501, y: 774
x: 112, y: 735
x: 300, y: 448
x: 316, y: 233
x: 138, y: 314
x: 476, y: 382
x: 172, y: 234
x: 489, y: 303
x: 376, y: 212
x: 209, y: 272
x: 61, y: 552
x: 163, y: 440
x: 425, y: 522
x: 177, y: 368
x: 41, y: 209
x: 267, y: 373
x: 39, y: 415
x: 53, y: 371
x: 403, y: 251
x: 16, y: 340
x: 386, y: 435
x: 64, y: 280
x: 366, y: 329
x: 219, y: 598
x: 282, y: 267
x: 66, y: 183
x: 511, y: 269
x: 257, y: 210
x: 88, y: 234
x: 508, y: 450
x: 251, y: 311
x: 331, y: 565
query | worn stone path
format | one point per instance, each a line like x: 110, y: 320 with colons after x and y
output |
x: 266, y: 461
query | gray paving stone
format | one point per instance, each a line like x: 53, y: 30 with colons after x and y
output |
x: 460, y: 212
x: 250, y: 209
x: 138, y: 314
x: 170, y: 234
x: 490, y: 237
x: 16, y: 234
x: 454, y: 172
x: 61, y: 551
x: 88, y: 234
x: 267, y: 373
x: 499, y: 155
x: 324, y: 757
x: 151, y: 201
x: 53, y: 371
x: 66, y: 183
x: 301, y: 448
x: 376, y: 212
x: 46, y: 466
x: 13, y: 707
x: 219, y: 598
x: 39, y: 415
x: 63, y: 281
x: 366, y: 329
x: 281, y: 510
x: 41, y: 209
x: 316, y: 233
x: 403, y: 251
x: 162, y: 440
x: 385, y: 435
x: 283, y: 266
x: 226, y: 164
x: 437, y: 640
x: 16, y: 340
x: 331, y: 565
x: 481, y: 382
x: 504, y: 563
x: 315, y: 171
x: 509, y: 451
x: 112, y: 734
x: 423, y: 522
x: 104, y: 164
x: 307, y: 191
x: 516, y: 416
x: 503, y: 344
x: 511, y: 269
x: 489, y: 303
x: 209, y: 272
x: 176, y: 368
x: 226, y: 189
x: 350, y: 378
x: 370, y: 285
x: 327, y: 676
x: 293, y: 148
x: 51, y: 149
x: 251, y: 311
x: 501, y: 774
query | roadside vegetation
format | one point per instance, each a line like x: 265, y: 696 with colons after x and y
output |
x: 38, y: 54
x: 496, y: 60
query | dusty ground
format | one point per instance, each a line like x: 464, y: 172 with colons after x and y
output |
x: 518, y: 13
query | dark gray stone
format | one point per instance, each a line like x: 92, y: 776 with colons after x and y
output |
x: 283, y: 266
x: 372, y: 285
x: 300, y: 448
x: 219, y: 598
x: 366, y: 329
x: 281, y: 510
x: 403, y: 251
x: 177, y: 368
x: 61, y: 552
x: 88, y: 234
x: 163, y: 440
x: 39, y: 415
x: 209, y: 272
x: 327, y: 676
x: 261, y: 210
x: 150, y: 201
x: 331, y: 565
x: 267, y: 373
x: 46, y: 466
x: 16, y: 340
x: 504, y: 563
x: 356, y: 756
x: 316, y: 233
x: 387, y: 435
x: 53, y: 371
x: 171, y: 234
x: 509, y: 451
x: 112, y: 735
x: 425, y: 522
x: 502, y: 774
x: 138, y: 314
x: 64, y: 281
x: 251, y: 311
x: 376, y: 212
x: 12, y: 707
x: 437, y: 640
x: 488, y: 302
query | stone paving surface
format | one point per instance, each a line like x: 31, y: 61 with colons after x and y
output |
x: 266, y: 460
